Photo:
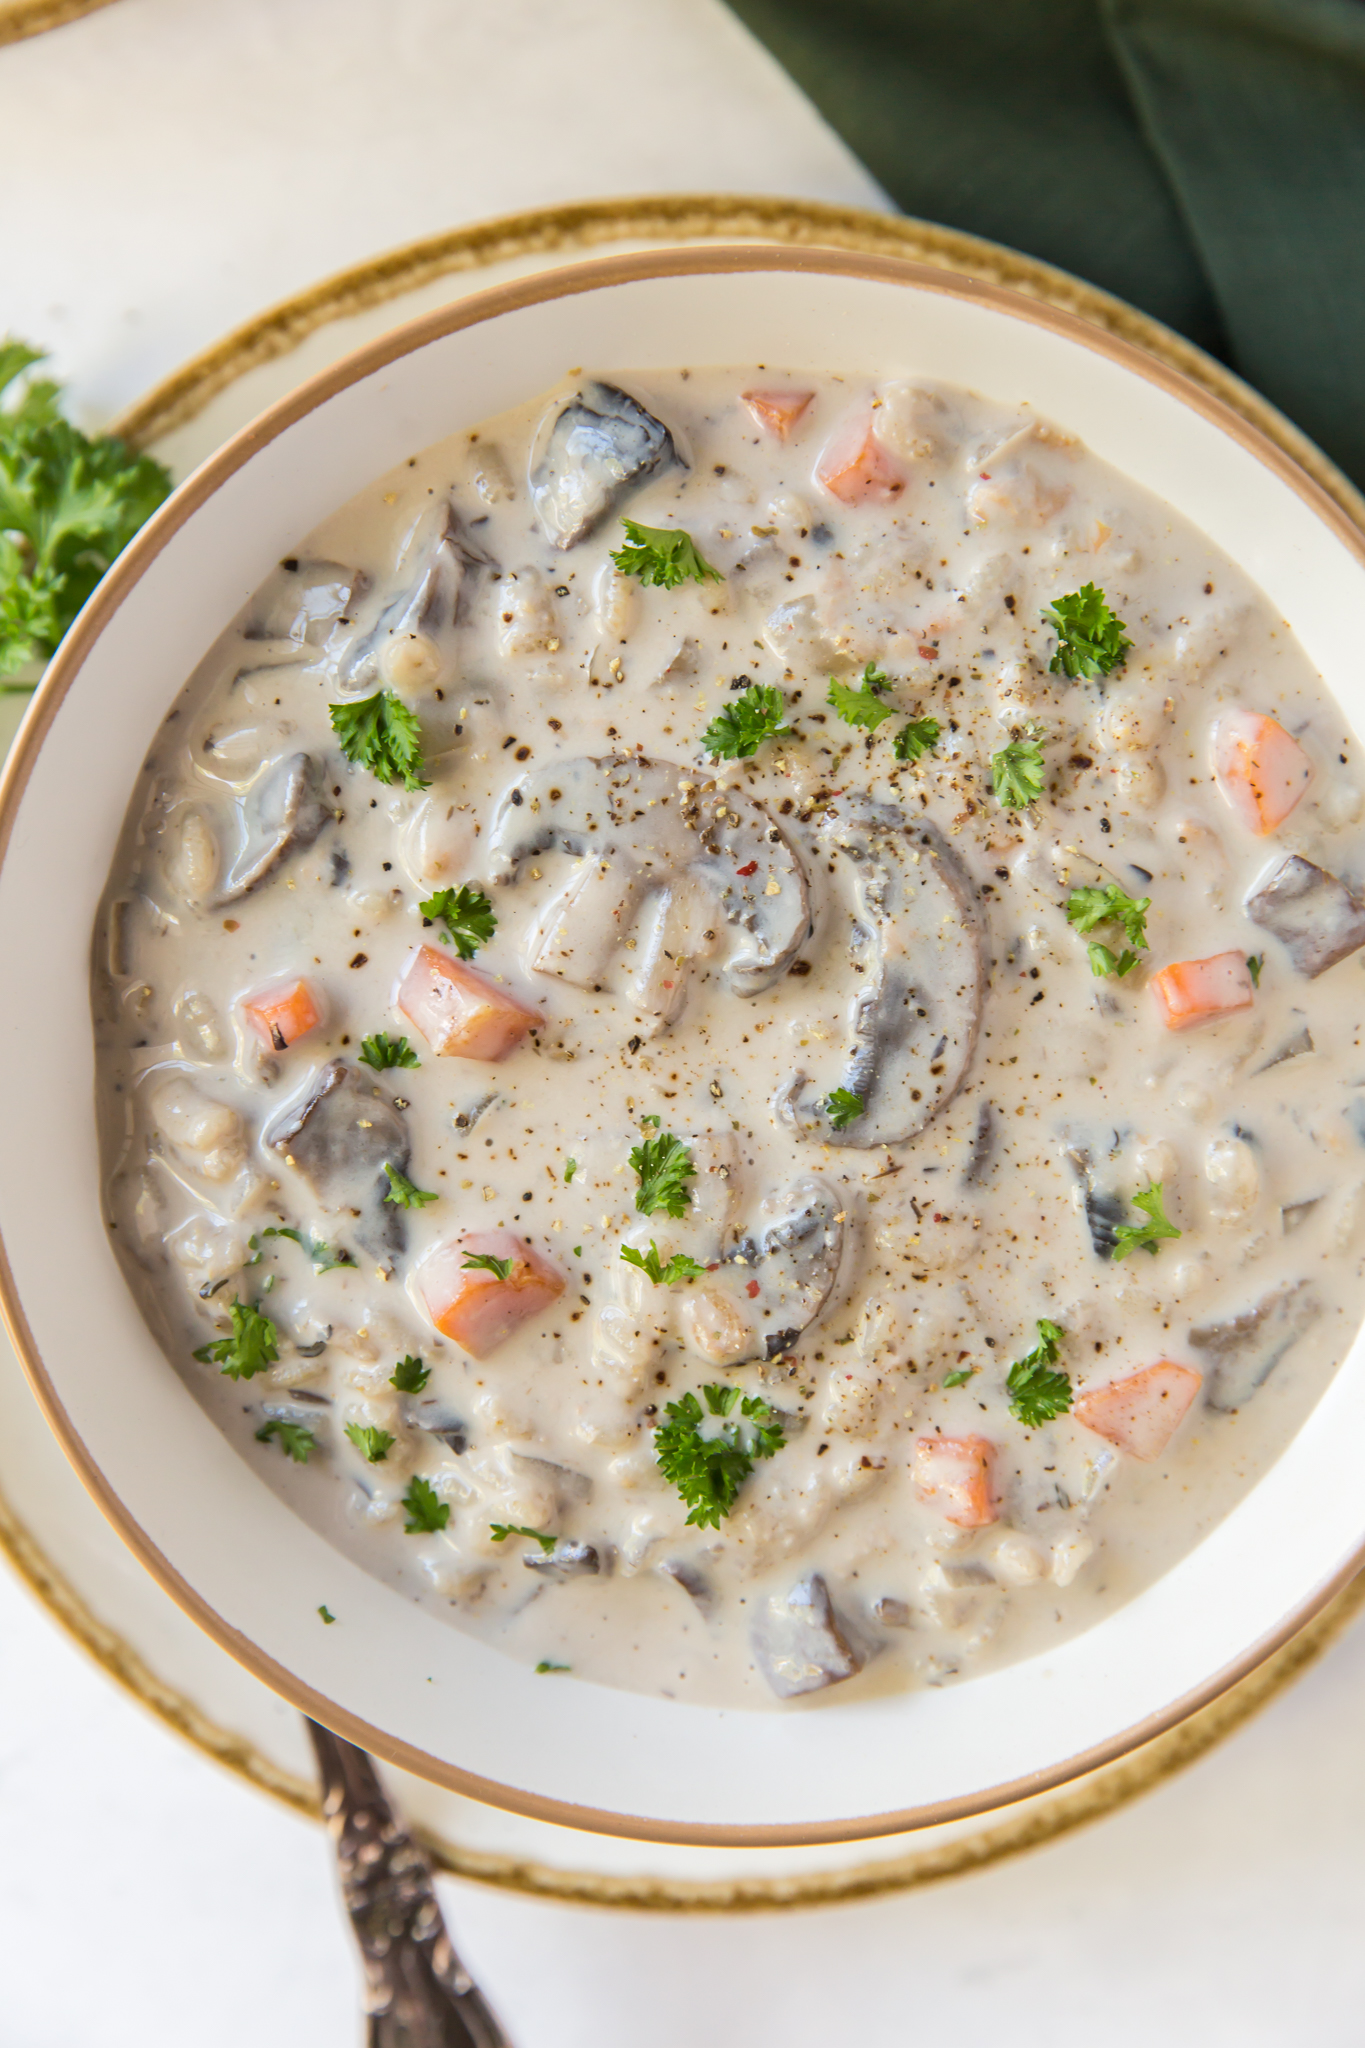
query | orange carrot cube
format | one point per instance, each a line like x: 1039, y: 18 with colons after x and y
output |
x: 1141, y: 1412
x: 1260, y: 768
x: 1201, y: 991
x: 854, y: 466
x: 283, y: 1012
x: 777, y: 411
x: 955, y: 1475
x: 459, y: 1010
x: 474, y: 1306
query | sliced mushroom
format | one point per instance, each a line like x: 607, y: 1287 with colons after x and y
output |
x: 918, y: 937
x: 303, y: 600
x: 340, y: 1135
x: 652, y: 830
x: 1104, y: 1210
x: 1316, y: 916
x: 1293, y: 1048
x: 283, y: 814
x: 1244, y: 1350
x: 800, y: 1643
x: 601, y: 444
x: 983, y: 1146
x: 567, y: 1560
x: 771, y: 1285
x: 410, y: 644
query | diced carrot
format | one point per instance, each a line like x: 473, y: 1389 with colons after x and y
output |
x: 1260, y: 768
x: 854, y: 466
x: 1141, y: 1412
x: 283, y: 1012
x: 777, y: 411
x: 1201, y: 991
x: 470, y: 1304
x: 459, y: 1010
x: 954, y: 1474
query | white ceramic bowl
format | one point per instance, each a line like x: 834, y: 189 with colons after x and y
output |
x: 393, y: 1676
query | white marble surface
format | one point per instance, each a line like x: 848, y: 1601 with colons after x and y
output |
x: 174, y: 166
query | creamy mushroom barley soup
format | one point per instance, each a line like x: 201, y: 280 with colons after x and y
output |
x: 729, y: 1034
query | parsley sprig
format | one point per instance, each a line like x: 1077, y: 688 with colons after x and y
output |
x: 664, y: 555
x: 409, y: 1375
x: 485, y: 1262
x: 651, y: 1264
x: 502, y: 1530
x: 664, y: 1167
x: 757, y: 714
x: 709, y: 1470
x: 863, y: 706
x: 1018, y: 774
x: 374, y: 1444
x: 469, y: 918
x: 324, y: 1256
x: 1038, y: 1393
x: 1130, y: 1236
x: 1087, y: 908
x: 427, y: 1512
x: 918, y: 737
x: 252, y: 1345
x: 403, y: 1192
x: 843, y: 1107
x: 380, y: 733
x: 295, y: 1440
x: 382, y: 1052
x: 1090, y: 637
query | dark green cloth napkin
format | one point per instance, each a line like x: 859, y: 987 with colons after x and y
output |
x: 1204, y: 159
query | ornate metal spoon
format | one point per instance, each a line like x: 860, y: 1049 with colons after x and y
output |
x: 417, y: 1992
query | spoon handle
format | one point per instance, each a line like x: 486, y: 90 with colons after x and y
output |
x: 417, y: 1992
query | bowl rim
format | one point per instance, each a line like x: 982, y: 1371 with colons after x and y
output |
x: 198, y: 488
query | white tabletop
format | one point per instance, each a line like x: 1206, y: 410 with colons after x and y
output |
x: 174, y: 166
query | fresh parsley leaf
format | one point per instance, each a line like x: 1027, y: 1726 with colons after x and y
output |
x: 468, y: 917
x: 1085, y: 908
x: 293, y: 1438
x: 1104, y: 961
x: 546, y: 1665
x: 374, y: 1443
x: 679, y: 1267
x: 68, y: 506
x: 843, y: 1107
x: 322, y: 1255
x: 664, y: 1166
x: 708, y: 1471
x: 502, y: 1530
x: 578, y: 1251
x: 862, y: 706
x: 664, y: 555
x: 409, y: 1375
x: 1129, y: 1236
x: 1038, y: 1394
x: 1255, y: 962
x: 402, y: 1191
x: 485, y: 1262
x: 426, y: 1512
x: 960, y: 1376
x: 1018, y: 774
x: 380, y: 733
x: 1090, y: 637
x: 570, y: 1169
x: 326, y: 1614
x: 381, y: 1052
x: 649, y: 1123
x: 919, y: 737
x: 252, y: 1346
x: 758, y: 714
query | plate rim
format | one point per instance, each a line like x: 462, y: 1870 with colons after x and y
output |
x: 469, y: 311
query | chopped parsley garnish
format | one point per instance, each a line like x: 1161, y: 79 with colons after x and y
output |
x: 402, y: 1190
x: 381, y: 1052
x: 375, y: 1444
x: 426, y: 1512
x: 1129, y: 1236
x: 1090, y: 637
x: 1085, y: 908
x: 293, y: 1438
x: 570, y: 1169
x: 708, y: 1471
x: 1018, y: 774
x: 324, y: 1258
x: 68, y: 506
x: 740, y: 729
x: 502, y: 1530
x: 326, y: 1614
x: 380, y: 733
x: 546, y: 1665
x: 469, y: 918
x: 862, y: 706
x: 409, y: 1375
x: 843, y: 1107
x: 578, y: 1251
x: 1255, y: 962
x: 679, y: 1267
x: 650, y: 1123
x: 960, y: 1376
x: 920, y: 736
x: 252, y: 1346
x: 484, y: 1262
x: 664, y: 555
x: 1103, y: 960
x: 664, y: 1166
x: 1037, y: 1392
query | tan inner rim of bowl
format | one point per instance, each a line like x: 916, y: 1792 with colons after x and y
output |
x: 796, y: 224
x: 21, y: 18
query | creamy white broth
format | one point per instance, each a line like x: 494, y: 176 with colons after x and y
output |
x: 915, y: 1259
